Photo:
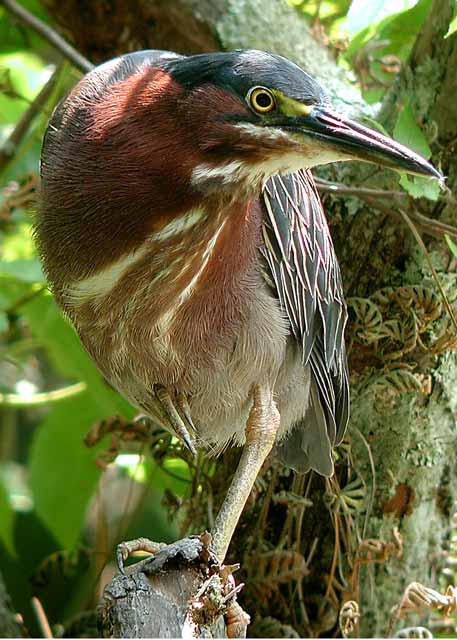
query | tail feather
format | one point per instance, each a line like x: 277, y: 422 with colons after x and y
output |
x: 308, y: 445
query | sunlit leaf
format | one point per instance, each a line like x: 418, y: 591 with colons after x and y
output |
x: 63, y: 474
x: 26, y: 75
x: 453, y: 25
x: 419, y: 187
x: 395, y: 34
x: 6, y: 521
x: 452, y: 245
x: 25, y: 270
x: 452, y: 28
x: 361, y: 14
x: 409, y: 133
x: 401, y: 29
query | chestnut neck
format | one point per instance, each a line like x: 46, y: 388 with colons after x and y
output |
x: 117, y: 174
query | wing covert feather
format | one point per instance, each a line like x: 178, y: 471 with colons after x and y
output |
x: 303, y: 266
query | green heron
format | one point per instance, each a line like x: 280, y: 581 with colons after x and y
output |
x: 182, y: 234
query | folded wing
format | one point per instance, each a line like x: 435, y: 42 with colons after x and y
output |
x: 306, y: 275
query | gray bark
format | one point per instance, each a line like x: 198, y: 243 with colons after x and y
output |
x: 9, y: 628
x: 401, y: 442
x: 181, y: 591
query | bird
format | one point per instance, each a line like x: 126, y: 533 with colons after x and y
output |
x: 182, y: 234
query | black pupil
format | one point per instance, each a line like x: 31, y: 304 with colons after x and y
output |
x: 263, y: 100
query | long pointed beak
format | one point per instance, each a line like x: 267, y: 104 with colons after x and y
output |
x: 351, y: 140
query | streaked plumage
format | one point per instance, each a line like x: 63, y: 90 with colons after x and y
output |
x: 306, y: 274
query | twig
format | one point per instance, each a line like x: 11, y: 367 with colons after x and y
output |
x: 325, y: 186
x: 42, y: 618
x: 49, y: 34
x: 16, y: 400
x: 11, y: 144
x: 426, y: 254
x: 30, y: 295
x: 375, y: 198
x: 373, y: 482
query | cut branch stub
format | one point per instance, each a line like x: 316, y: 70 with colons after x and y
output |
x: 180, y: 591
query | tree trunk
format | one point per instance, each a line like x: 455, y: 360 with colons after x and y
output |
x: 179, y: 592
x: 9, y: 627
x: 380, y: 523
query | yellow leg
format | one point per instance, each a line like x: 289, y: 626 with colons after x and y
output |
x: 261, y: 429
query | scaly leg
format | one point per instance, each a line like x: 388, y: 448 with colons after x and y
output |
x: 261, y: 428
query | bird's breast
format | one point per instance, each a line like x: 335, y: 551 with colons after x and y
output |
x: 181, y: 306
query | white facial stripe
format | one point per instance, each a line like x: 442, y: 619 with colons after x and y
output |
x: 237, y: 171
x: 255, y: 173
x: 263, y: 133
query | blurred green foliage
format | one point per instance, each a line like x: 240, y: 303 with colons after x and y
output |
x: 49, y: 482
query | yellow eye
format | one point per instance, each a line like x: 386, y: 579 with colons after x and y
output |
x: 261, y: 100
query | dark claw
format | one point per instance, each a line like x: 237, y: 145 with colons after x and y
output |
x: 168, y: 405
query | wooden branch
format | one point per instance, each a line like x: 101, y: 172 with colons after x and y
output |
x: 48, y: 34
x: 181, y: 591
x: 11, y: 144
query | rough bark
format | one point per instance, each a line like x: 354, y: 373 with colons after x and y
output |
x: 413, y: 440
x: 9, y: 628
x: 400, y: 448
x: 179, y: 592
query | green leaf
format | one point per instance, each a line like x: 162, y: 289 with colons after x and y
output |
x: 4, y: 324
x: 409, y: 133
x: 400, y: 29
x: 25, y: 270
x: 63, y: 474
x: 419, y: 187
x: 7, y: 518
x: 374, y: 124
x: 395, y: 34
x: 364, y: 36
x: 26, y: 73
x: 452, y: 245
x: 361, y: 14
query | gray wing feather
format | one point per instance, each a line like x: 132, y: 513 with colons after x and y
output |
x: 304, y: 268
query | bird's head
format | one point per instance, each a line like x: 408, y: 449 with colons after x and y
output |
x: 255, y: 114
